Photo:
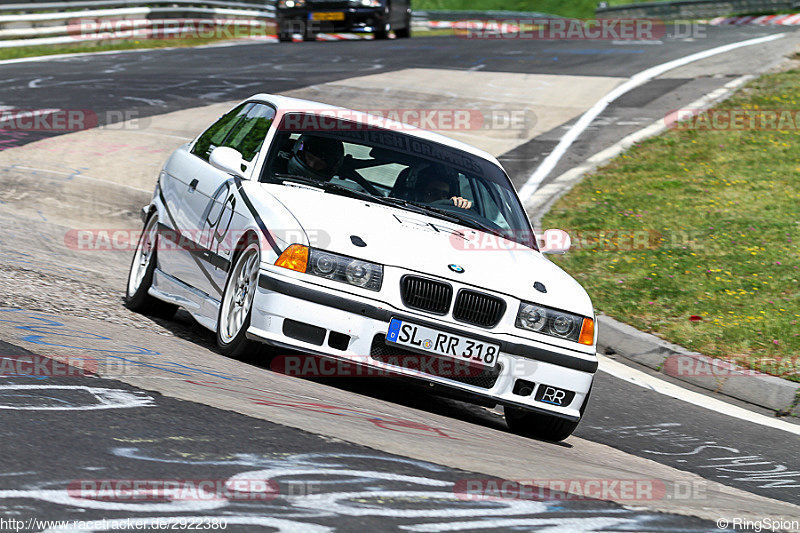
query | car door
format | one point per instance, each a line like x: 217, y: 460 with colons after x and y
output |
x: 178, y: 185
x: 210, y: 201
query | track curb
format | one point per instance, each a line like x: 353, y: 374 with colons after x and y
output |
x: 770, y: 392
x: 717, y: 376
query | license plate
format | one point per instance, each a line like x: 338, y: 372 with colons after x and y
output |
x: 441, y: 343
x: 327, y: 16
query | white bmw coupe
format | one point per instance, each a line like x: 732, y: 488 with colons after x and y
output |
x: 331, y: 232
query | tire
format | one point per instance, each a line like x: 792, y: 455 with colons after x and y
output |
x: 236, y: 307
x: 541, y: 426
x: 383, y: 33
x: 140, y: 275
x: 285, y: 37
x: 404, y: 33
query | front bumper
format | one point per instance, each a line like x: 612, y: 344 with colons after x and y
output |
x: 355, y: 20
x: 349, y: 327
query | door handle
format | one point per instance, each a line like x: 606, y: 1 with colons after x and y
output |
x: 193, y: 185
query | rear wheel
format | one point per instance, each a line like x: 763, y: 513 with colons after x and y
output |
x: 140, y: 276
x: 405, y: 32
x: 383, y: 31
x: 236, y: 306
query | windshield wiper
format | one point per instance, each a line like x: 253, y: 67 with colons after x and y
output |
x: 422, y: 208
x: 334, y: 188
x: 471, y: 222
x: 449, y: 215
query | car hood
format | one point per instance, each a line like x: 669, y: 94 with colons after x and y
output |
x: 404, y: 239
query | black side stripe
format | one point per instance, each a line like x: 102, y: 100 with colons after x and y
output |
x: 194, y: 248
x: 267, y: 234
x: 176, y: 231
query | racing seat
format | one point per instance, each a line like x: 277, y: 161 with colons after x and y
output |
x: 283, y: 153
x: 402, y: 187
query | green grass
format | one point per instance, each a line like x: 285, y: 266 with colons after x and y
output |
x: 726, y: 205
x: 100, y: 46
x: 573, y: 8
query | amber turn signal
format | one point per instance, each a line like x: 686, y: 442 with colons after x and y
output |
x: 295, y: 257
x: 587, y: 332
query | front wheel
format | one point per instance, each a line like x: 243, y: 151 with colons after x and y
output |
x: 405, y: 32
x: 236, y: 307
x: 140, y: 275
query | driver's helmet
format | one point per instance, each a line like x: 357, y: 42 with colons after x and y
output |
x: 316, y: 157
x: 435, y: 183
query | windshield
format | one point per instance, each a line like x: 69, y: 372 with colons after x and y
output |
x: 391, y: 166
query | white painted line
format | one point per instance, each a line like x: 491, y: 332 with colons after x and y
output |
x: 636, y: 80
x: 541, y: 200
x: 637, y: 377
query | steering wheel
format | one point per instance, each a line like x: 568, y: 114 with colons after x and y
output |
x: 355, y: 176
x: 446, y: 202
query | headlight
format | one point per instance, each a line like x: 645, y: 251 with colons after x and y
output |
x: 366, y: 3
x: 332, y: 266
x: 555, y: 323
x: 283, y: 4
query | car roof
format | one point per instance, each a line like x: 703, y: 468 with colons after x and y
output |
x: 286, y: 103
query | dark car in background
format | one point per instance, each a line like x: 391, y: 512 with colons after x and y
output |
x: 310, y: 17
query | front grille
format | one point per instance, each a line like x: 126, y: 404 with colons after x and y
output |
x: 443, y: 367
x: 426, y: 294
x: 478, y: 308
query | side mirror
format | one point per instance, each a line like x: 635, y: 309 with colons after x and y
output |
x: 227, y: 160
x: 556, y: 241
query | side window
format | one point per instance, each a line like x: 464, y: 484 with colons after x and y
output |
x: 248, y: 134
x: 465, y: 189
x: 215, y: 135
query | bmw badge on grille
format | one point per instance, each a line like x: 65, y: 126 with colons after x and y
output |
x: 456, y: 268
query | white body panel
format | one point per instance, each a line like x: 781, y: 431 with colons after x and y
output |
x: 193, y: 275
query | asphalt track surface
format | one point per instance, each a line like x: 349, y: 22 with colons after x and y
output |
x: 155, y: 436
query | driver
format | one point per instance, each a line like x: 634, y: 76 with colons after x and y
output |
x: 434, y: 184
x: 316, y: 157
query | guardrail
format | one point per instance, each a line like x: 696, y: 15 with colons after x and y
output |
x: 44, y: 22
x: 696, y: 9
x: 48, y: 23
